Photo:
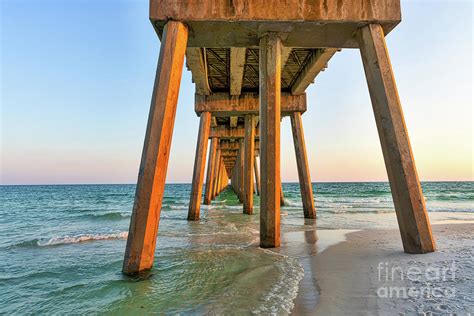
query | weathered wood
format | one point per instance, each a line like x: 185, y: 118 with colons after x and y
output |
x: 249, y: 154
x: 211, y: 164
x: 234, y: 153
x: 223, y: 104
x: 240, y: 161
x: 219, y: 178
x: 317, y: 23
x: 317, y: 62
x: 408, y: 198
x: 257, y: 176
x: 199, y: 165
x: 196, y: 61
x: 216, y: 170
x: 237, y: 63
x: 285, y: 54
x: 270, y: 80
x: 140, y: 249
x: 306, y: 186
x: 282, y: 195
x: 233, y: 121
x: 225, y: 132
x: 234, y: 146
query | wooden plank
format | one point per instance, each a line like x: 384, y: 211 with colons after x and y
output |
x: 237, y: 63
x: 199, y: 165
x: 257, y: 176
x: 211, y: 165
x: 249, y: 154
x: 140, y: 249
x: 222, y: 104
x: 317, y: 62
x: 270, y: 78
x: 195, y: 59
x: 306, y: 186
x: 408, y: 198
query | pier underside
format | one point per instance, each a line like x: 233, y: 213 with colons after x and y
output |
x: 251, y: 64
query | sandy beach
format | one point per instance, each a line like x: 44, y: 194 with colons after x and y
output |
x: 369, y: 273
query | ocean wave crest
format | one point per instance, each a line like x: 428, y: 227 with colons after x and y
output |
x: 110, y: 215
x: 62, y: 240
x: 80, y: 238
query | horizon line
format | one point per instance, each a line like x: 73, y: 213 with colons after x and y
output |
x: 128, y: 183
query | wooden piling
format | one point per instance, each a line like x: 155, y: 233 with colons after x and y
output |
x: 282, y: 195
x: 140, y: 249
x: 210, y: 170
x: 218, y: 177
x: 407, y: 195
x: 302, y: 164
x: 214, y: 184
x: 270, y: 81
x: 249, y: 153
x: 257, y: 176
x: 240, y: 162
x: 199, y: 165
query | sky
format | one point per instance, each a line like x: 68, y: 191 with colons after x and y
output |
x: 77, y: 76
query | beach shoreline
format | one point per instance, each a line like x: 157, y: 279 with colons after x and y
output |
x: 355, y: 271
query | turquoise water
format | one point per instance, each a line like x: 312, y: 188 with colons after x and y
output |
x: 61, y: 247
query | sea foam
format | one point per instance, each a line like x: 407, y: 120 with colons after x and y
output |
x: 80, y: 238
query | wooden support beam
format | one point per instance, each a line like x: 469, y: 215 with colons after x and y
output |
x: 229, y: 154
x: 224, y: 105
x: 249, y: 154
x: 285, y: 54
x: 199, y: 165
x: 234, y: 153
x: 237, y: 63
x: 219, y: 178
x: 408, y: 198
x: 240, y: 162
x: 306, y: 186
x: 315, y: 23
x: 140, y: 249
x: 257, y: 176
x: 270, y: 79
x: 224, y: 132
x: 317, y: 62
x: 234, y: 146
x: 211, y: 165
x: 233, y: 121
x: 196, y: 61
x: 214, y: 182
x: 282, y: 195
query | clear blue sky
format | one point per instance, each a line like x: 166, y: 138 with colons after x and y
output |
x: 77, y: 76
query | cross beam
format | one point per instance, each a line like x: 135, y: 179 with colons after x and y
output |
x: 223, y: 104
x: 225, y: 132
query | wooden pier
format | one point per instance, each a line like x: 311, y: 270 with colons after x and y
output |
x: 251, y: 64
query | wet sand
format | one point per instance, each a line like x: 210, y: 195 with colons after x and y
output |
x: 355, y: 276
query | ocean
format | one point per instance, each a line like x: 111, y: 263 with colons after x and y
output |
x: 61, y: 247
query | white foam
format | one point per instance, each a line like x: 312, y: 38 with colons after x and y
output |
x: 81, y: 238
x: 279, y: 300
